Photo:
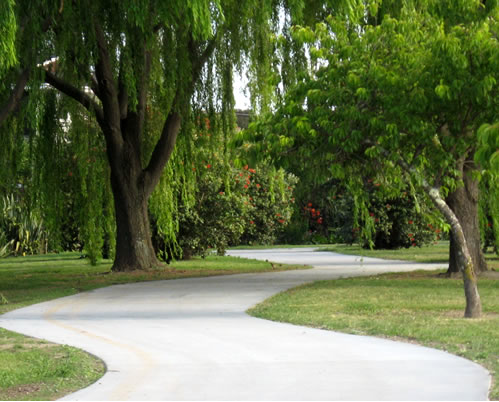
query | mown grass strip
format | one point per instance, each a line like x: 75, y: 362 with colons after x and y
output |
x: 432, y: 253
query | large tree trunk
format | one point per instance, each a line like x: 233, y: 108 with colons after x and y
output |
x: 134, y: 248
x: 464, y: 203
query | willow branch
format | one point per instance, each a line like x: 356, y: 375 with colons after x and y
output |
x: 16, y: 95
x: 162, y: 151
x: 75, y: 93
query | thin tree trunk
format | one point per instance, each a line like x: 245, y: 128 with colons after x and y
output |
x: 464, y: 203
x: 473, y: 302
x: 465, y: 261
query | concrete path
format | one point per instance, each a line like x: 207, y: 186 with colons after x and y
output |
x: 190, y: 339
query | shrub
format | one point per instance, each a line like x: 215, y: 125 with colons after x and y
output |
x: 231, y: 206
x: 394, y: 221
x: 21, y: 231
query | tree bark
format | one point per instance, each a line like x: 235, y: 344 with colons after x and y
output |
x: 465, y: 262
x: 134, y: 249
x: 464, y: 203
x: 464, y: 259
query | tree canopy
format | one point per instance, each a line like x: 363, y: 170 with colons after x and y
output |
x: 137, y: 79
x: 397, y: 98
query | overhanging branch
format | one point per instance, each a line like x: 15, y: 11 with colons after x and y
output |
x: 76, y: 94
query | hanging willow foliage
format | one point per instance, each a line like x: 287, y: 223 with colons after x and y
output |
x: 144, y: 73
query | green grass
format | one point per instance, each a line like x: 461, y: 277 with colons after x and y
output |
x: 31, y: 369
x: 420, y: 307
x: 33, y: 279
x: 426, y: 254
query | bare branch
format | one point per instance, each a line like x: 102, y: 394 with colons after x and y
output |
x: 108, y: 91
x: 199, y: 60
x: 162, y: 151
x: 76, y: 94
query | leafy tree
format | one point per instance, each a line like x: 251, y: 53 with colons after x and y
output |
x: 401, y: 99
x: 487, y: 156
x: 121, y: 59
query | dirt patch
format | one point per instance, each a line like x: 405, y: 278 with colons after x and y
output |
x: 485, y: 274
x: 6, y: 346
x: 489, y: 274
x: 17, y: 392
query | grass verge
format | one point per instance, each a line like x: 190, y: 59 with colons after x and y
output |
x: 31, y: 369
x: 420, y: 307
x: 432, y: 253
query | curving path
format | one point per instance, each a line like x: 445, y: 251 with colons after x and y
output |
x: 190, y: 339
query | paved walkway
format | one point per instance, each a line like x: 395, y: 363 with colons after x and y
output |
x: 190, y: 339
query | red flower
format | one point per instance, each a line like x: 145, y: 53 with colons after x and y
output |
x: 277, y: 214
x: 208, y: 166
x: 319, y: 221
x: 410, y: 235
x: 376, y: 220
x: 371, y: 213
x: 411, y: 222
x: 70, y: 174
x: 245, y: 186
x: 282, y: 220
x: 221, y: 193
x: 309, y: 204
x: 252, y: 170
x: 257, y: 185
x: 252, y: 222
x: 246, y: 167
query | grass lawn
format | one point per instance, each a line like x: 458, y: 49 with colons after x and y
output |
x: 421, y: 307
x: 31, y: 369
x: 434, y: 253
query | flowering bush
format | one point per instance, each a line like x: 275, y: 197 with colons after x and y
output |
x: 271, y: 199
x: 398, y: 222
x: 232, y: 206
x: 328, y: 214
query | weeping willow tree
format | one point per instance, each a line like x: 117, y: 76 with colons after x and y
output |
x: 133, y: 75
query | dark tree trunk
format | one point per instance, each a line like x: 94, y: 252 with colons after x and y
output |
x: 123, y: 127
x: 134, y: 248
x: 464, y: 203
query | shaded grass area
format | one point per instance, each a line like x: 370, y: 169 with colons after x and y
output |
x: 420, y: 307
x: 33, y: 279
x: 32, y: 369
x: 433, y: 253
